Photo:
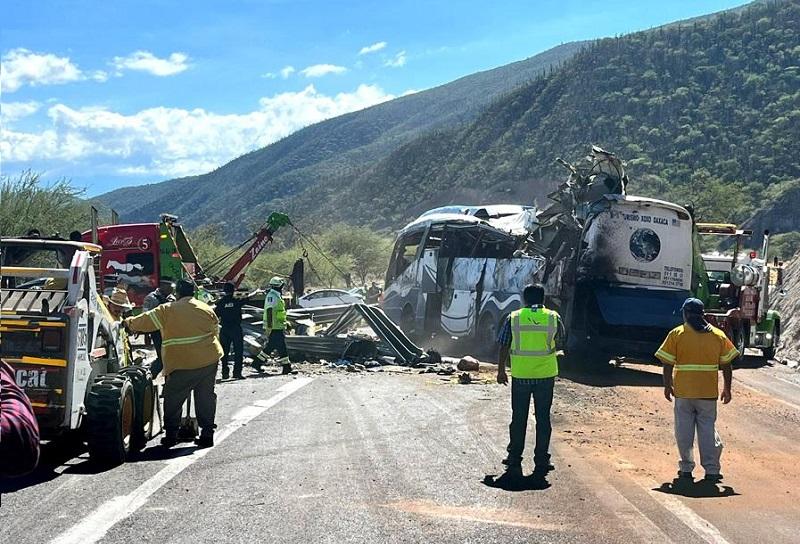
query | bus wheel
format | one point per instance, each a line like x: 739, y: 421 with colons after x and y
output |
x: 407, y: 322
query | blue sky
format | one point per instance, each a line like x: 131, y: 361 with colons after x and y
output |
x: 119, y: 93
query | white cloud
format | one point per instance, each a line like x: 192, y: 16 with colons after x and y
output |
x: 169, y: 142
x: 319, y: 70
x: 11, y: 111
x: 21, y: 67
x: 372, y: 48
x: 145, y: 61
x: 99, y: 76
x: 286, y: 71
x: 269, y: 75
x: 398, y: 61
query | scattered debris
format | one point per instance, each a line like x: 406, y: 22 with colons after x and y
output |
x: 464, y: 378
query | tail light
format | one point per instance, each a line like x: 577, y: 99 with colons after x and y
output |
x: 51, y: 340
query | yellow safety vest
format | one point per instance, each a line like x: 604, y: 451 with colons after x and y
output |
x: 533, y: 343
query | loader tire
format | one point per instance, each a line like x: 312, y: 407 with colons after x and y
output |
x: 110, y: 408
x: 145, y: 397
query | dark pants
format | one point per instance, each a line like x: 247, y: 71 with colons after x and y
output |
x: 521, y: 392
x: 277, y: 342
x: 232, y: 335
x: 158, y: 364
x: 179, y: 384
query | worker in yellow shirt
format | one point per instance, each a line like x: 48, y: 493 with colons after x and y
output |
x: 693, y: 354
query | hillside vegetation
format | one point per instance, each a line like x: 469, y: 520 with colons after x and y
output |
x: 241, y: 194
x: 706, y: 113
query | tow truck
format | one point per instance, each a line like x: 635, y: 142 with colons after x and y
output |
x: 740, y: 286
x: 141, y: 254
x: 68, y: 352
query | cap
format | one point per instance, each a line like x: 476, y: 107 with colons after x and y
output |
x: 693, y: 306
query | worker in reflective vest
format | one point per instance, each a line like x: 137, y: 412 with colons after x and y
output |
x: 529, y: 338
x: 693, y: 354
x: 274, y: 324
x: 190, y: 350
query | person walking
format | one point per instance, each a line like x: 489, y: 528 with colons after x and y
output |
x: 229, y: 312
x: 274, y: 324
x: 528, y: 338
x: 190, y: 350
x: 153, y: 300
x: 692, y: 355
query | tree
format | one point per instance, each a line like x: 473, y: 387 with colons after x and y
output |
x: 27, y: 203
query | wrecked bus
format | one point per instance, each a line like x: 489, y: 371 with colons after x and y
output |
x: 616, y: 267
x: 457, y: 271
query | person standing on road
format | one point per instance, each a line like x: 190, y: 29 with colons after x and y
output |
x: 229, y: 312
x: 191, y: 352
x: 275, y: 326
x: 160, y: 296
x: 692, y: 355
x: 529, y: 338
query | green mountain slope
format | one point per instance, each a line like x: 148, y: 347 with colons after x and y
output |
x: 707, y: 112
x: 331, y: 151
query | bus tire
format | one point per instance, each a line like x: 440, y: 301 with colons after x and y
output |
x: 769, y: 353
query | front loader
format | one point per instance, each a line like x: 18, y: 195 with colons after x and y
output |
x: 69, y: 353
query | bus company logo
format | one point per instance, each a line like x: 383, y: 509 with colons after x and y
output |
x: 121, y: 241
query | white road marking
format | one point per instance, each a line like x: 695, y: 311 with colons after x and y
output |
x: 622, y: 507
x: 94, y: 526
x: 769, y: 393
x: 699, y: 525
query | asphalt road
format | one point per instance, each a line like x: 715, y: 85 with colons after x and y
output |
x: 400, y: 457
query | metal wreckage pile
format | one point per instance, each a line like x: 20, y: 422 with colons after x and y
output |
x: 355, y: 337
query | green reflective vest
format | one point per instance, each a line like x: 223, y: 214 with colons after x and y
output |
x: 274, y: 301
x: 533, y: 343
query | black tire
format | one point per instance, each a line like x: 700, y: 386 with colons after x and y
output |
x: 145, y: 397
x: 486, y: 337
x: 769, y: 353
x: 740, y: 339
x: 110, y: 408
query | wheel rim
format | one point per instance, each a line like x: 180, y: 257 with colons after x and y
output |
x: 127, y: 420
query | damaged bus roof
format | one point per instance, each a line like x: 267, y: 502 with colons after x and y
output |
x: 508, y: 219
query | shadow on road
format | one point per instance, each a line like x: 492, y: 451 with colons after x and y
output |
x: 611, y: 376
x: 53, y: 455
x: 534, y: 482
x: 160, y: 453
x: 700, y: 489
x: 752, y: 361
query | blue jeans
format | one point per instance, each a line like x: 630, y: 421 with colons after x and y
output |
x: 521, y: 392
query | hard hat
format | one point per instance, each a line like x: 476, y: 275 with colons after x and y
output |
x: 276, y: 281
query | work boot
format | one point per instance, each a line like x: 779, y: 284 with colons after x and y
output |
x: 685, y: 475
x: 286, y: 368
x: 205, y: 441
x: 225, y: 373
x: 543, y: 469
x: 713, y: 478
x: 169, y: 440
x: 238, y: 375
